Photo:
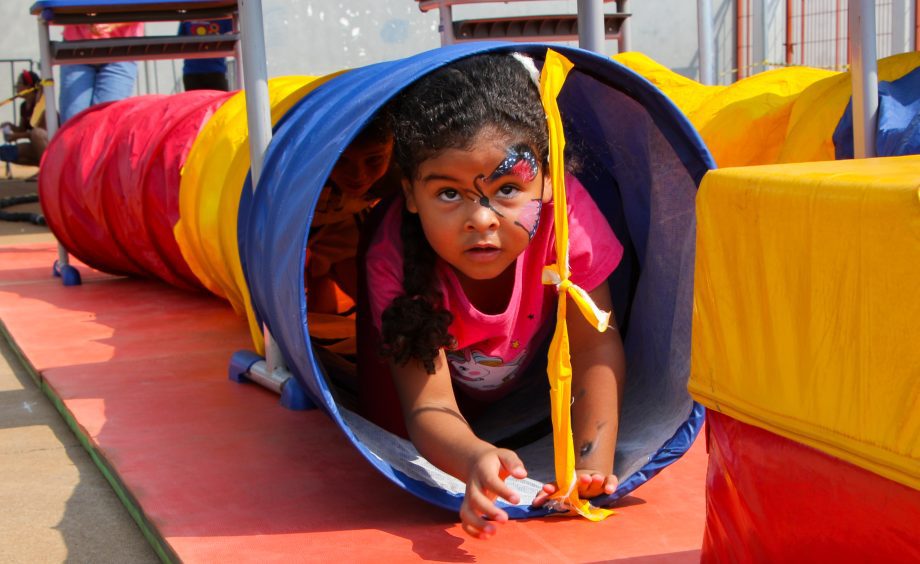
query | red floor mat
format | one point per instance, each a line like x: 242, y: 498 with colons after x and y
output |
x: 223, y: 473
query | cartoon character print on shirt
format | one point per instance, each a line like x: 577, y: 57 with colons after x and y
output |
x: 481, y: 371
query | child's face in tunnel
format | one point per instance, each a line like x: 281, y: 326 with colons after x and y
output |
x: 362, y: 164
x: 480, y: 208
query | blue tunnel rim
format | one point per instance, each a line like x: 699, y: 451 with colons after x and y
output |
x: 675, y: 127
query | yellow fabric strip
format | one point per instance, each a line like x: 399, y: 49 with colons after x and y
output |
x: 559, y: 367
x: 21, y: 93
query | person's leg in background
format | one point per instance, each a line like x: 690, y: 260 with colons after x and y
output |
x: 205, y: 81
x: 30, y: 153
x: 115, y: 81
x: 77, y: 85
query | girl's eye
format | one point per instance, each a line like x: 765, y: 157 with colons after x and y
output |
x: 508, y: 191
x: 449, y: 195
x: 375, y: 162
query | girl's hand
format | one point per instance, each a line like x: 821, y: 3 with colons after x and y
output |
x: 486, y: 482
x: 590, y: 484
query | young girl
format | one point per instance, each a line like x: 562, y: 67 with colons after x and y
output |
x: 454, y: 272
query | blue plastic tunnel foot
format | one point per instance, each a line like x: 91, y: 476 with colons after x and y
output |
x: 69, y: 275
x: 240, y: 363
x: 293, y: 396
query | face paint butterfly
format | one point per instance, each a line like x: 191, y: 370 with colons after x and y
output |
x: 520, y: 162
x: 529, y: 217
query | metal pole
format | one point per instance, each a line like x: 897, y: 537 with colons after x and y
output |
x: 51, y: 113
x: 790, y: 49
x: 623, y: 43
x: 740, y: 28
x: 917, y: 25
x: 146, y: 77
x: 864, y: 76
x: 446, y: 26
x: 591, y: 25
x: 238, y: 58
x: 255, y: 74
x: 704, y: 32
x: 258, y: 118
x: 758, y: 42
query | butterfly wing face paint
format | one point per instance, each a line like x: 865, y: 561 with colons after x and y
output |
x: 522, y: 163
x: 529, y: 217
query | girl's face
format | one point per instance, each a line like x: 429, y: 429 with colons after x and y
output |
x: 480, y: 208
x: 361, y: 165
x: 21, y: 87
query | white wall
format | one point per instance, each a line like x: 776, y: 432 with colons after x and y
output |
x: 322, y: 36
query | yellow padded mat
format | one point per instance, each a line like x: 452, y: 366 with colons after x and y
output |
x: 806, y: 315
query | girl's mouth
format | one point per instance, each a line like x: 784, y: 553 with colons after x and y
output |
x: 354, y: 188
x: 484, y: 253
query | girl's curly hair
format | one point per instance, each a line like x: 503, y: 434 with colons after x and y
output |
x: 446, y: 109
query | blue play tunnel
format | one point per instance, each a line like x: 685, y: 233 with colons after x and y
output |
x: 641, y: 161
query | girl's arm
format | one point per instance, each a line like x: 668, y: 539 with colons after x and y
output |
x: 598, y: 374
x: 442, y: 435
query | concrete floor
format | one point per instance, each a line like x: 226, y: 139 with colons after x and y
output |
x: 55, y: 504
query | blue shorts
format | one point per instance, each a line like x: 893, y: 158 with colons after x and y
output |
x: 9, y: 152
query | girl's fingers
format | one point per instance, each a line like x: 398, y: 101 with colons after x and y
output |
x: 497, y: 486
x: 474, y: 524
x: 512, y: 464
x: 482, y: 505
x: 479, y: 514
x: 610, y: 484
x: 589, y: 485
x: 597, y: 482
x: 543, y: 495
x: 593, y: 484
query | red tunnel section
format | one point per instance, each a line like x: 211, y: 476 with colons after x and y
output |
x: 109, y: 186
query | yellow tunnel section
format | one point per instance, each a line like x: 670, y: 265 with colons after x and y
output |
x: 209, y: 194
x: 784, y: 115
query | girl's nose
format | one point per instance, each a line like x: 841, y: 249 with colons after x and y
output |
x: 357, y: 173
x: 481, y: 218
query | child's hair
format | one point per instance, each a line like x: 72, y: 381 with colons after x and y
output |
x: 377, y: 130
x: 28, y: 78
x: 446, y: 110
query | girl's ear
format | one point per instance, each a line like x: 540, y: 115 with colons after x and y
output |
x: 410, y: 197
x: 547, y: 188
